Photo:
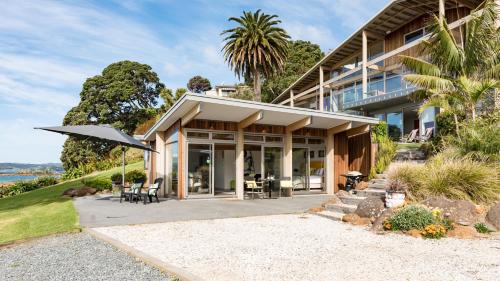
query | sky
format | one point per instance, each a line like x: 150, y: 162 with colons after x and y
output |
x: 49, y: 48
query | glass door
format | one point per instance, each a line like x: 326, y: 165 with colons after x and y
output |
x: 224, y: 169
x: 300, y: 156
x: 272, y: 162
x: 199, y: 169
x: 395, y: 125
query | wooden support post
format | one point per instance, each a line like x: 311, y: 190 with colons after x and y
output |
x: 181, y: 158
x: 240, y: 164
x: 291, y: 98
x: 441, y: 10
x: 321, y: 88
x: 364, y: 63
x: 330, y: 165
x: 288, y: 158
x: 160, y: 161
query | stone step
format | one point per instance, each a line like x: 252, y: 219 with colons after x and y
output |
x: 378, y: 181
x: 381, y: 176
x: 341, y: 208
x: 377, y: 185
x: 336, y: 216
x: 352, y: 199
x: 371, y: 192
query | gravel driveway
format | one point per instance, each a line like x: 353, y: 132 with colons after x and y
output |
x: 307, y: 247
x: 72, y: 257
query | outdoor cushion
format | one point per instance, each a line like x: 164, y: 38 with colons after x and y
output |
x: 152, y: 190
x: 135, y: 188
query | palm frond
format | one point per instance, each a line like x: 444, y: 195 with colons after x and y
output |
x: 420, y: 66
x: 431, y: 83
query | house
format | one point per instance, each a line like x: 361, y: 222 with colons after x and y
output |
x: 225, y: 90
x: 207, y: 146
x: 363, y: 76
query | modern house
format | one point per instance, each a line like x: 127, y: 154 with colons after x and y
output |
x: 363, y: 75
x: 225, y: 90
x: 208, y: 146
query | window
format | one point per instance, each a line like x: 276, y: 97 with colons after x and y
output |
x: 315, y: 141
x: 298, y: 140
x: 274, y: 139
x: 222, y: 136
x: 412, y: 36
x: 254, y: 138
x: 197, y: 135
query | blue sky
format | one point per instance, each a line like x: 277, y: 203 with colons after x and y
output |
x: 49, y: 48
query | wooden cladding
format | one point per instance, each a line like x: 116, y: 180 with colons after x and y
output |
x: 254, y: 128
x: 351, y: 154
x: 340, y: 160
x: 395, y: 39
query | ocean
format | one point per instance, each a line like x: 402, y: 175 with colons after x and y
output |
x: 12, y: 178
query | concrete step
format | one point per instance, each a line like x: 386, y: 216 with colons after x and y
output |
x: 341, y: 208
x: 352, y: 199
x: 377, y: 185
x: 371, y: 192
x: 383, y: 181
x: 336, y: 216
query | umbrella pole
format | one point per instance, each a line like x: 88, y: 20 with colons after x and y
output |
x: 123, y: 165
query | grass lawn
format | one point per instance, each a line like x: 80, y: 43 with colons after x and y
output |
x: 44, y: 211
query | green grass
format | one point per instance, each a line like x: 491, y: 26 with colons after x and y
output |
x: 44, y: 211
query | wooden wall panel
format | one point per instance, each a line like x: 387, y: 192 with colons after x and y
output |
x: 180, y: 166
x: 341, y: 159
x: 360, y: 153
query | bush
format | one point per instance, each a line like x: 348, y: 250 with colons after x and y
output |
x: 135, y: 176
x: 411, y: 217
x: 434, y: 231
x: 99, y: 184
x: 386, y: 149
x: 452, y: 176
x: 25, y: 186
x: 116, y: 177
x: 481, y: 228
x: 46, y: 181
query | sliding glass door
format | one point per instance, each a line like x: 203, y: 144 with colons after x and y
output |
x: 300, y: 159
x: 199, y: 169
x: 272, y: 162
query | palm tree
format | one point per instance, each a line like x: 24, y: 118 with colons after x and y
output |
x: 458, y: 76
x: 257, y: 46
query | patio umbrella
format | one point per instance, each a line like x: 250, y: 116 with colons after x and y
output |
x: 100, y: 133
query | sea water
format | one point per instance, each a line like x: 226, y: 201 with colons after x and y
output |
x: 13, y: 178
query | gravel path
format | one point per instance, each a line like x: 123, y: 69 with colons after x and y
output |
x: 72, y: 257
x: 307, y: 247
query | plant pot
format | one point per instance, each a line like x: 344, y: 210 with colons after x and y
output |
x: 394, y: 199
x: 116, y: 189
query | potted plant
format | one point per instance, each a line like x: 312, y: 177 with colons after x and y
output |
x: 395, y: 193
x: 116, y: 181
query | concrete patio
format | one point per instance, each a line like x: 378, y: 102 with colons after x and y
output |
x: 99, y: 211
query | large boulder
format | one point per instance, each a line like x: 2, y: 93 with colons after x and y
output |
x: 79, y: 192
x: 460, y: 211
x: 350, y: 218
x: 378, y: 224
x: 493, y: 216
x: 371, y: 207
x: 69, y: 192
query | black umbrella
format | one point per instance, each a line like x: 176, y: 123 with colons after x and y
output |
x: 100, y: 133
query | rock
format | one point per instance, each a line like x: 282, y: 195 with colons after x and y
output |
x: 415, y: 233
x: 362, y: 185
x: 316, y: 209
x: 493, y: 216
x: 362, y: 221
x: 333, y: 200
x: 459, y: 211
x: 69, y: 192
x: 342, y: 193
x: 461, y: 231
x: 378, y: 224
x: 91, y: 190
x: 350, y: 218
x: 370, y: 207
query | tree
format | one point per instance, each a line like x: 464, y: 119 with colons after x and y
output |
x: 198, y: 84
x: 302, y: 55
x: 257, y: 47
x: 124, y: 96
x: 459, y: 76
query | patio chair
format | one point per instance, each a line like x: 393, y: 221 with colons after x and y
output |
x: 135, y: 191
x: 254, y: 188
x: 411, y: 137
x: 153, y: 191
x: 127, y: 194
x: 287, y: 183
x: 428, y: 135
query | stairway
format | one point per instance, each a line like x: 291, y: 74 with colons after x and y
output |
x: 410, y: 155
x: 348, y: 202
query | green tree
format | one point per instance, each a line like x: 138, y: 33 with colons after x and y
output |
x: 199, y: 84
x: 302, y: 55
x: 256, y: 47
x: 124, y: 96
x: 459, y: 76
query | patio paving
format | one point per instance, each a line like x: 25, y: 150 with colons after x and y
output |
x: 98, y: 211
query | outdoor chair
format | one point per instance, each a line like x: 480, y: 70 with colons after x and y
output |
x: 127, y: 194
x: 411, y: 137
x: 287, y: 183
x: 153, y: 191
x: 254, y: 188
x: 427, y: 136
x: 135, y: 191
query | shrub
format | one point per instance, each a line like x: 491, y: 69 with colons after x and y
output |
x: 411, y: 217
x: 452, y: 176
x: 481, y: 228
x: 434, y: 231
x: 99, y: 184
x: 397, y: 185
x: 135, y: 176
x: 116, y: 177
x: 25, y: 186
x: 46, y: 181
x: 386, y: 149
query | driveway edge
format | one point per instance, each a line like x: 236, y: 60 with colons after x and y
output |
x: 180, y: 273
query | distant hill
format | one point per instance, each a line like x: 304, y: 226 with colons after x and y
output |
x: 16, y: 167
